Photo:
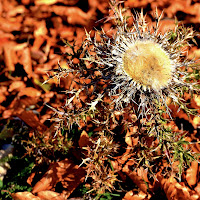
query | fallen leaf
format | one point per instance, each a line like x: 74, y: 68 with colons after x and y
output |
x: 46, y: 2
x: 66, y: 172
x: 192, y: 173
x: 24, y: 196
x: 3, y: 93
x: 16, y: 85
x: 30, y: 92
x: 140, y: 196
x: 130, y: 138
x: 8, y: 57
x: 175, y: 190
x: 41, y: 29
x: 50, y: 195
x: 84, y: 140
x: 197, y: 188
x: 26, y: 61
x: 139, y: 177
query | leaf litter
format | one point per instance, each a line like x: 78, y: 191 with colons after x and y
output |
x: 31, y: 43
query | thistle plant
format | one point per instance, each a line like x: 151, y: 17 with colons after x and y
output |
x: 98, y: 163
x: 129, y: 79
x: 144, y: 67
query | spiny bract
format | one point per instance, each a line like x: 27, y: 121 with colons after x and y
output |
x: 144, y: 67
x: 134, y: 71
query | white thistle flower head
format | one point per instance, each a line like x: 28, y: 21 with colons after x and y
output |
x: 143, y: 66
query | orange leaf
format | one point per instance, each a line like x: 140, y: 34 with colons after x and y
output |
x: 140, y: 196
x: 197, y: 188
x: 50, y: 195
x: 191, y: 174
x: 3, y: 93
x: 175, y: 190
x: 139, y: 177
x: 66, y: 172
x: 24, y: 196
x: 30, y: 92
x: 16, y: 85
x: 8, y: 57
x: 46, y: 2
x: 26, y: 61
x: 30, y: 178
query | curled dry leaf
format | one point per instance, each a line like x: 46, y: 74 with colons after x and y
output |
x: 8, y: 57
x: 140, y: 196
x: 19, y: 108
x: 139, y: 177
x: 30, y: 92
x: 30, y: 119
x: 197, y: 188
x: 16, y: 85
x: 15, y: 11
x: 41, y: 29
x: 51, y: 2
x: 134, y: 4
x: 24, y: 196
x: 46, y: 2
x: 192, y: 174
x: 50, y: 195
x: 9, y: 26
x: 84, y: 140
x: 3, y: 93
x: 74, y: 15
x: 129, y: 138
x: 66, y: 172
x: 26, y: 61
x: 30, y: 178
x: 177, y: 191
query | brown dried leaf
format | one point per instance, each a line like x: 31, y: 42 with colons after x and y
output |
x: 30, y: 178
x: 139, y: 177
x: 69, y: 174
x: 174, y: 8
x: 3, y: 93
x: 30, y: 119
x: 18, y: 108
x: 135, y: 4
x: 15, y: 11
x: 30, y: 92
x: 177, y: 191
x: 191, y: 174
x: 41, y: 29
x: 46, y: 2
x: 8, y: 57
x: 197, y: 188
x: 74, y: 15
x: 16, y: 85
x: 26, y: 61
x: 50, y: 2
x: 84, y: 140
x: 9, y: 26
x: 140, y: 196
x: 24, y: 196
x: 50, y: 195
x: 129, y: 138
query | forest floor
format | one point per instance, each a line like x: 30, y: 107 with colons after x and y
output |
x: 36, y: 164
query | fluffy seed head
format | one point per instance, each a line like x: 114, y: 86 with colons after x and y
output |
x: 148, y: 64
